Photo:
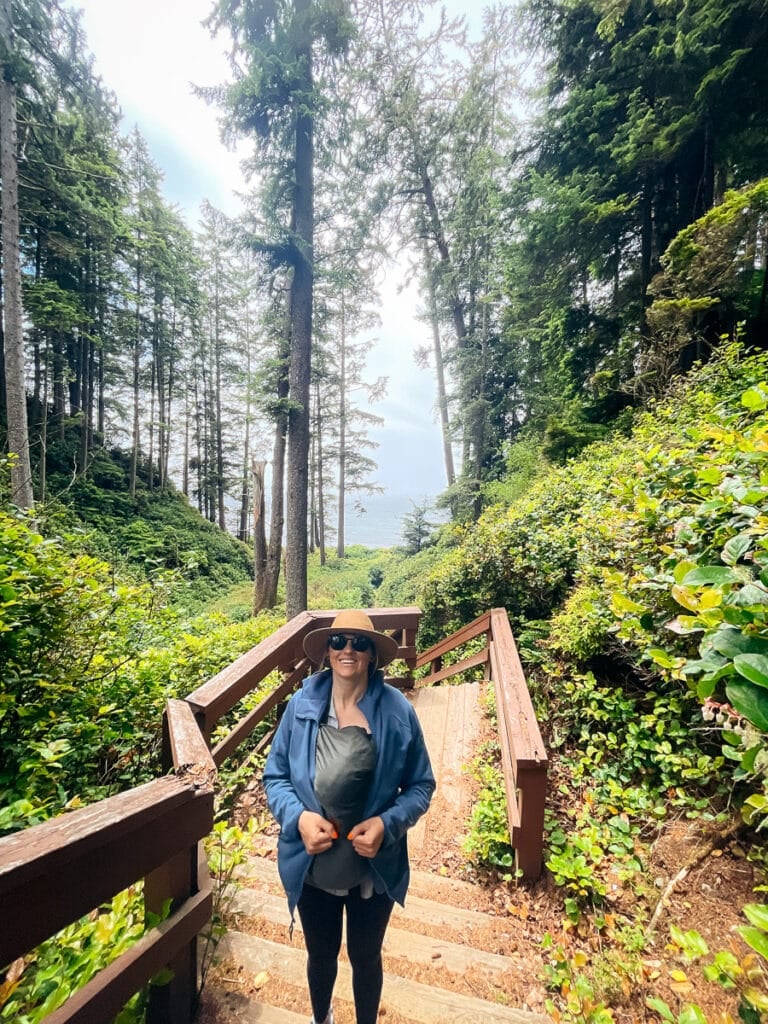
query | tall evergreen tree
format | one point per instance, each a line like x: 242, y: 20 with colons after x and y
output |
x: 15, y: 382
x: 274, y: 96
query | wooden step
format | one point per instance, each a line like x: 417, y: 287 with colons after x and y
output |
x: 446, y: 957
x: 232, y: 1006
x: 421, y: 1004
x: 398, y: 943
x: 439, y: 915
x: 264, y: 871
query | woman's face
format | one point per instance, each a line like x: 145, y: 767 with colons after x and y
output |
x: 348, y: 663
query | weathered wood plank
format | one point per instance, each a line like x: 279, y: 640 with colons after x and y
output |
x: 219, y: 694
x: 106, y: 994
x: 53, y: 873
x: 507, y: 756
x: 189, y: 751
x: 525, y: 737
x: 398, y: 943
x: 246, y: 725
x: 282, y: 648
x: 479, y: 625
x: 453, y: 670
x: 422, y: 1004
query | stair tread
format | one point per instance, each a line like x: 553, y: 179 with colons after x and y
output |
x: 398, y: 943
x: 420, y: 1003
x: 263, y: 871
x: 233, y: 1006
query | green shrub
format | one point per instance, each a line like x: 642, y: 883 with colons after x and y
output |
x: 88, y: 664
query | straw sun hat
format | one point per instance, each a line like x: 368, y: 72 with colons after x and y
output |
x: 350, y: 621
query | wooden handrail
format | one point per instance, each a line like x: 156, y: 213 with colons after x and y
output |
x: 54, y: 873
x: 523, y: 757
x: 473, y: 629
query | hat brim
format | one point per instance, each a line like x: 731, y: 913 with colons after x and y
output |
x: 316, y: 643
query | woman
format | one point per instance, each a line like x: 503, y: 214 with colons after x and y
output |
x: 347, y: 776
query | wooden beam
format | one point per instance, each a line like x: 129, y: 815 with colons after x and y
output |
x: 189, y: 753
x: 246, y: 725
x: 479, y: 625
x: 519, y: 734
x: 54, y: 873
x: 220, y: 693
x: 525, y: 737
x: 460, y: 666
x: 102, y: 998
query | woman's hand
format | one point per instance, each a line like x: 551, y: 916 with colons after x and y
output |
x: 317, y: 832
x: 367, y: 837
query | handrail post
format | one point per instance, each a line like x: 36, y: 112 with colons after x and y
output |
x: 178, y: 879
x: 409, y: 640
x: 532, y: 791
x: 175, y: 1001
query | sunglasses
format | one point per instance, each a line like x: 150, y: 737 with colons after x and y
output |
x: 337, y: 642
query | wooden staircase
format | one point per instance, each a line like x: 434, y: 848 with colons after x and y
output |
x: 259, y: 960
x: 464, y: 960
x: 53, y: 873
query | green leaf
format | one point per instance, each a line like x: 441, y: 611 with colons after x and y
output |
x: 755, y: 398
x: 750, y: 701
x: 662, y: 657
x: 736, y: 548
x: 750, y: 595
x: 753, y: 807
x: 757, y: 914
x: 757, y: 999
x: 717, y: 575
x: 621, y: 604
x: 756, y: 938
x: 663, y: 1010
x: 747, y: 763
x: 692, y: 1015
x: 730, y: 642
x: 753, y: 667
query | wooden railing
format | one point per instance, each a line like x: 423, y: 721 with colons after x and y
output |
x: 523, y: 757
x: 56, y: 872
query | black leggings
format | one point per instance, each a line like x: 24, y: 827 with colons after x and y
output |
x: 367, y: 920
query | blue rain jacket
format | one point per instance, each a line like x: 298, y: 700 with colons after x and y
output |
x: 400, y: 793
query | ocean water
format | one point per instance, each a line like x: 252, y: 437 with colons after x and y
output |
x: 381, y: 525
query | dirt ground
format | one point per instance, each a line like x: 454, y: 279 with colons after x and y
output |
x: 707, y: 898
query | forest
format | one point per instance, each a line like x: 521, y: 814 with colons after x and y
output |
x: 581, y: 198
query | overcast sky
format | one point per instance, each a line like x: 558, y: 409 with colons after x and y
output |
x: 149, y: 52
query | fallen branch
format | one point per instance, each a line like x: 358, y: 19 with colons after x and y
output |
x: 716, y: 842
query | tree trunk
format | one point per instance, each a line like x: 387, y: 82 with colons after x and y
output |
x: 15, y: 385
x: 218, y: 434
x: 259, y: 536
x: 438, y: 235
x: 301, y: 336
x: 320, y: 482
x: 245, y: 495
x: 136, y: 396
x: 313, y: 485
x: 43, y: 481
x: 268, y: 595
x: 442, y: 397
x: 340, y: 539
